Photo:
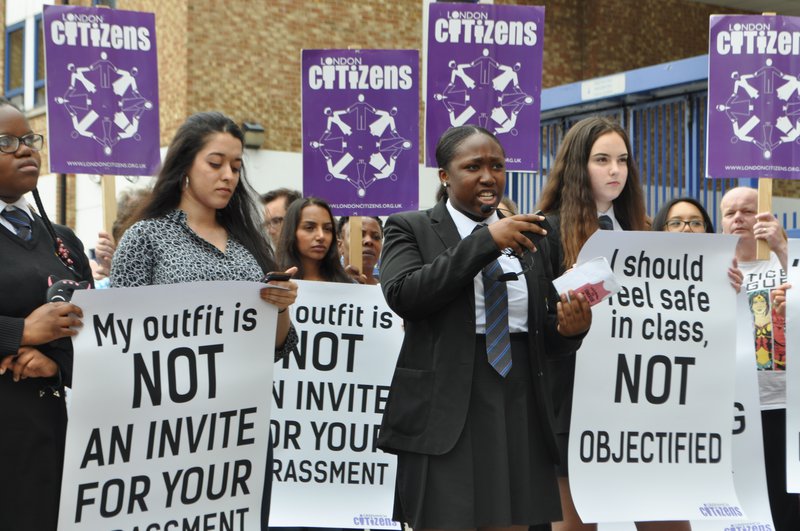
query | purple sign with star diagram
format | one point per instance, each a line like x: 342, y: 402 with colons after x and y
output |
x: 102, y: 91
x: 361, y: 130
x: 753, y: 97
x: 485, y: 68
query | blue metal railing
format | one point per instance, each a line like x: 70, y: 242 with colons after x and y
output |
x: 668, y: 143
x: 663, y: 108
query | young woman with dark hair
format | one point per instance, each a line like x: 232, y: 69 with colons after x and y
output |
x: 308, y: 242
x: 200, y: 223
x: 683, y: 214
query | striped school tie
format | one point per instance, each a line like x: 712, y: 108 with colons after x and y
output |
x: 495, y: 298
x: 20, y: 221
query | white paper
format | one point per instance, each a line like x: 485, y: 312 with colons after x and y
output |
x: 593, y: 278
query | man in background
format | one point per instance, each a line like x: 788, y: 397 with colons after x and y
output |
x: 276, y: 202
x: 740, y: 216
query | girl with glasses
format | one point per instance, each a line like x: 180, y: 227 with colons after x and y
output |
x: 683, y: 214
x: 35, y: 349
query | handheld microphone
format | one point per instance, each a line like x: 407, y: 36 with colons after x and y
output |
x: 532, y: 236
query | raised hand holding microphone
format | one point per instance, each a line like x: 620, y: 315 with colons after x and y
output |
x: 517, y: 232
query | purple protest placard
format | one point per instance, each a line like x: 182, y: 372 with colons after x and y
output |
x: 102, y: 91
x: 485, y: 68
x: 361, y: 130
x: 753, y: 97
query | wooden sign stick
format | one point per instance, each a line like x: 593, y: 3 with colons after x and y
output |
x: 355, y: 243
x: 764, y: 201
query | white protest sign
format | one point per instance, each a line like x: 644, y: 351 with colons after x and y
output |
x: 329, y: 397
x: 654, y: 382
x: 748, y: 447
x: 168, y: 422
x: 793, y: 370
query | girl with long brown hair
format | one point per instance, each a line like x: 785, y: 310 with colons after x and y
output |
x: 594, y: 184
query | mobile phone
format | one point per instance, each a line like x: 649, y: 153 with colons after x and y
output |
x: 276, y: 275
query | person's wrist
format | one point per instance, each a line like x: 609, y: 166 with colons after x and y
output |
x: 283, y: 310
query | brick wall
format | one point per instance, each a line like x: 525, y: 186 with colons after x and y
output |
x: 242, y: 57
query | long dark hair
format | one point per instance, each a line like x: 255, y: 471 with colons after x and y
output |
x: 240, y: 217
x: 660, y: 219
x: 330, y: 267
x: 61, y: 250
x: 448, y: 144
x: 569, y: 189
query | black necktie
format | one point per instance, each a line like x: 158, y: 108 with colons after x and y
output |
x: 605, y: 223
x: 20, y: 221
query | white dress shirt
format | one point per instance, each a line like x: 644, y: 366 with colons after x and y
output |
x: 19, y: 204
x: 517, y: 289
x: 610, y: 213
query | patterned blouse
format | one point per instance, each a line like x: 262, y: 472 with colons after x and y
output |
x: 167, y: 251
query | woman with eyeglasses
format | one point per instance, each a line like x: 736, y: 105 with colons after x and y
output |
x: 683, y: 214
x: 35, y: 349
x: 467, y: 413
x: 593, y: 185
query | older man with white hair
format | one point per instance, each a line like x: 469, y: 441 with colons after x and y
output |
x: 740, y: 216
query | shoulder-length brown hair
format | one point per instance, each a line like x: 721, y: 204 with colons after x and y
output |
x: 569, y: 190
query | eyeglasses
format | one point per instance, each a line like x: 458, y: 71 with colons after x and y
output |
x: 695, y: 225
x: 526, y: 261
x: 10, y: 143
x: 275, y: 222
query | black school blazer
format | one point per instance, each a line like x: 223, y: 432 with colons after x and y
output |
x: 427, y: 277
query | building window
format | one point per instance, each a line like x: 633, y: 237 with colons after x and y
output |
x: 15, y: 64
x: 38, y: 57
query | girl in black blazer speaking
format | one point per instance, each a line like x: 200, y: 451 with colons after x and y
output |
x: 468, y: 413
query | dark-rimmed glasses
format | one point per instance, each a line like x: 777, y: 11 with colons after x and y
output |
x: 10, y: 143
x: 676, y: 224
